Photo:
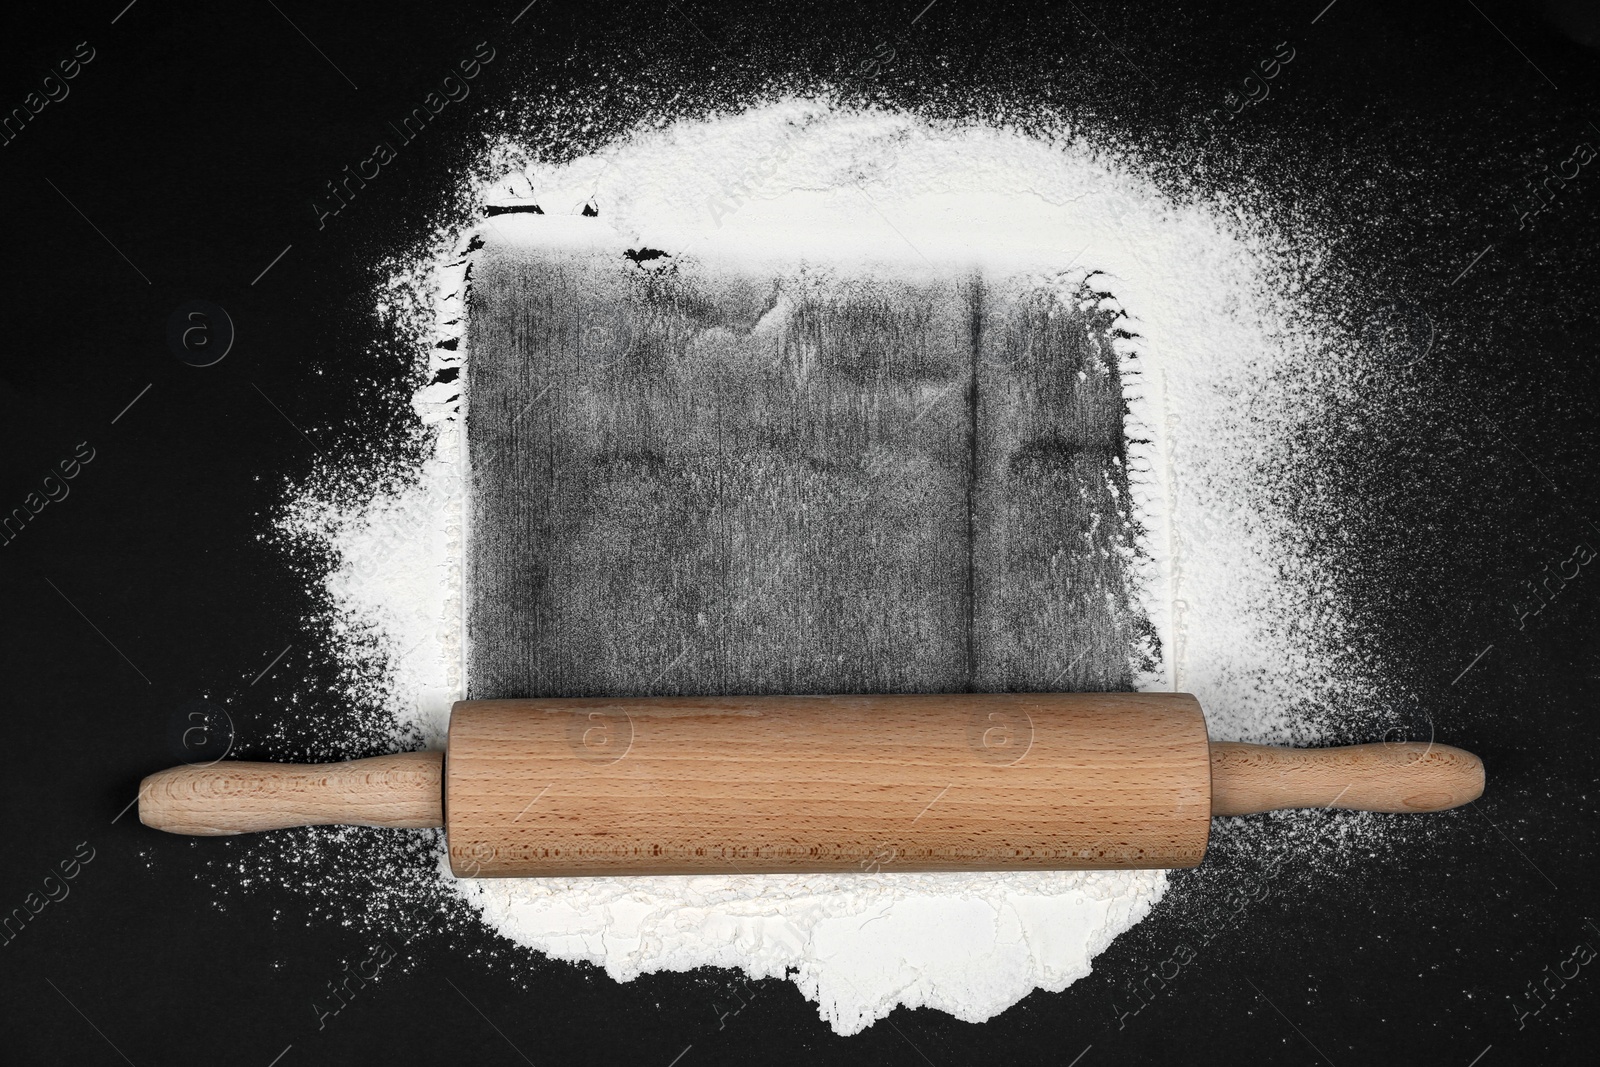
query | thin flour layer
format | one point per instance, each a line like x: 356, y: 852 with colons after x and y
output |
x: 859, y: 945
x: 804, y: 181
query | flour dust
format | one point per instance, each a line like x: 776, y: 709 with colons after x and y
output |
x: 1213, y: 344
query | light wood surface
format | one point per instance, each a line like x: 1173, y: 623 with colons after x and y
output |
x: 1409, y: 776
x: 829, y: 783
x: 816, y: 783
x: 235, y: 797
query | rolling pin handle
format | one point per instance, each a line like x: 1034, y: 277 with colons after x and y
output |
x: 233, y: 797
x: 1406, y: 777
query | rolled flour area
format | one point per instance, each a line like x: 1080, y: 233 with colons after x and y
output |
x: 1206, y: 328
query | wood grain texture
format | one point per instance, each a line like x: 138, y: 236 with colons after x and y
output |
x: 739, y: 496
x: 760, y: 784
x: 688, y: 480
x: 403, y: 790
x: 827, y: 783
x: 1409, y: 776
x: 1054, y: 535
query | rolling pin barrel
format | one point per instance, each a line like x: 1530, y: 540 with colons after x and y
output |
x: 933, y: 782
x: 750, y: 785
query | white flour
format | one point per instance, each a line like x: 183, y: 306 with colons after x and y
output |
x: 1228, y: 588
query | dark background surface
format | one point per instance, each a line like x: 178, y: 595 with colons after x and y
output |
x: 185, y: 159
x: 795, y: 515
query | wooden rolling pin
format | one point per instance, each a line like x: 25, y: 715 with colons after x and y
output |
x: 687, y: 785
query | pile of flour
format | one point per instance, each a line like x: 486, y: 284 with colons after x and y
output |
x: 1211, y: 339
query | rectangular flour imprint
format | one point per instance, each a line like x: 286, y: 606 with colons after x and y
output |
x: 688, y: 480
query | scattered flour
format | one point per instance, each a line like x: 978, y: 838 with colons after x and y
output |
x: 1212, y: 336
x: 858, y: 945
